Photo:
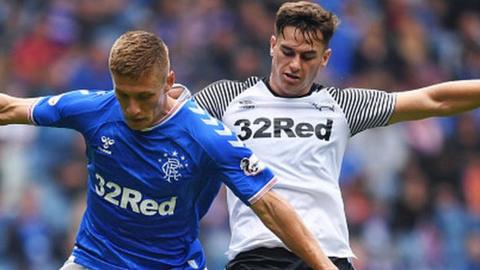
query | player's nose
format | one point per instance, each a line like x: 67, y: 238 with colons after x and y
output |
x: 295, y: 63
x: 133, y: 108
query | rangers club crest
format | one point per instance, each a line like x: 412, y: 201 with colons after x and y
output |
x: 171, y: 166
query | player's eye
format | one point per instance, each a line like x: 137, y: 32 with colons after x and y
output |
x: 120, y: 95
x: 145, y: 96
x: 308, y: 56
x: 288, y: 52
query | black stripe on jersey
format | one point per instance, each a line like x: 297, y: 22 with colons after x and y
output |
x: 216, y: 97
x: 317, y: 87
x: 364, y: 108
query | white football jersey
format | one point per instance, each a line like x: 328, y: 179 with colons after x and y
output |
x: 303, y: 140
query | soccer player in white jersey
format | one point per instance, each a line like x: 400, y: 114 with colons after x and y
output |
x: 154, y: 166
x: 300, y: 129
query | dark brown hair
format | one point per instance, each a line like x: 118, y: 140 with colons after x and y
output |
x: 308, y: 18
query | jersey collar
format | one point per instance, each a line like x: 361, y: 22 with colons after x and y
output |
x: 315, y: 87
x: 181, y: 100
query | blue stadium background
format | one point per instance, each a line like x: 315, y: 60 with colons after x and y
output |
x: 412, y: 191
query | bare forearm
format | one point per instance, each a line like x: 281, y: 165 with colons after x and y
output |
x: 282, y: 220
x: 457, y: 96
x: 14, y: 110
x: 437, y: 100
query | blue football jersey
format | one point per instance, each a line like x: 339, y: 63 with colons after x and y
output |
x: 147, y: 190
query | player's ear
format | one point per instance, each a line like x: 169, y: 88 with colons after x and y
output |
x: 326, y: 56
x: 273, y: 42
x: 170, y: 78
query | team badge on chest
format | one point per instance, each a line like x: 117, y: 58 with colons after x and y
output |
x: 172, y: 165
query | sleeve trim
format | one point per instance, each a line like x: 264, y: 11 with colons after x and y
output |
x: 262, y: 191
x: 30, y: 111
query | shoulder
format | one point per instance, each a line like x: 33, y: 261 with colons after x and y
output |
x: 347, y: 97
x: 70, y: 108
x: 196, y: 120
x: 231, y: 85
x: 205, y: 129
x: 337, y: 91
x: 334, y: 91
x: 217, y: 96
x: 363, y: 108
x: 86, y: 98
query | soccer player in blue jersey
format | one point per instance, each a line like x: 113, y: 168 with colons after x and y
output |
x: 154, y: 166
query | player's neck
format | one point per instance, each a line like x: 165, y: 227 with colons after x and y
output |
x: 276, y: 90
x: 169, y: 106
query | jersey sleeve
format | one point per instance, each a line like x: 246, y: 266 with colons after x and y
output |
x: 216, y: 97
x: 232, y: 162
x: 364, y: 108
x: 73, y: 110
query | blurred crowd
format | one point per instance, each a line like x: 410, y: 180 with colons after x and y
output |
x: 411, y: 191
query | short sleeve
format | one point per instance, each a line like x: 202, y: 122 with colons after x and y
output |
x: 75, y: 110
x: 215, y: 97
x: 233, y: 163
x: 364, y: 108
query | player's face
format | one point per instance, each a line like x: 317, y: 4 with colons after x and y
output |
x: 143, y: 101
x: 295, y: 62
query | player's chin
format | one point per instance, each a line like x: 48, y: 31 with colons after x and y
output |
x: 136, y: 124
x: 293, y: 88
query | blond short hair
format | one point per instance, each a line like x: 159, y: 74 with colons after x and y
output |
x: 136, y: 53
x: 308, y: 18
